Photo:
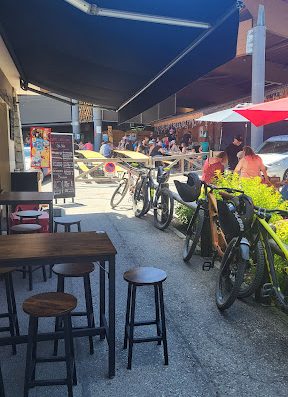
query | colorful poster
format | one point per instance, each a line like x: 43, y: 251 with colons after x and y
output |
x: 40, y: 147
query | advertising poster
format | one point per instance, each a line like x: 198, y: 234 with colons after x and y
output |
x: 62, y: 155
x: 40, y: 147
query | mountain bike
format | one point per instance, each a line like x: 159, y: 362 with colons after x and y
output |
x: 126, y: 184
x: 238, y: 260
x: 151, y: 194
x: 276, y: 257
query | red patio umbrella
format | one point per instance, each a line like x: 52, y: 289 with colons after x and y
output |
x: 266, y: 112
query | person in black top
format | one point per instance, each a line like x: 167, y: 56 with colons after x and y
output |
x: 232, y: 150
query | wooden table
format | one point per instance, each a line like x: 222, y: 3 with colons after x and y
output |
x: 49, y: 248
x: 15, y: 198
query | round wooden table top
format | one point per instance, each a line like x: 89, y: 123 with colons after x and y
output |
x: 73, y: 269
x: 49, y: 304
x: 67, y: 220
x: 29, y: 214
x: 145, y: 275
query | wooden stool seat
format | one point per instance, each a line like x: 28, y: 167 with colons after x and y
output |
x: 73, y: 269
x: 145, y: 276
x: 67, y: 222
x: 29, y: 214
x: 26, y: 228
x: 49, y: 304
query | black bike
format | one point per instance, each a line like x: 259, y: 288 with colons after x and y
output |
x: 151, y: 194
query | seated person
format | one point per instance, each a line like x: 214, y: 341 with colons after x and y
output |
x: 212, y: 165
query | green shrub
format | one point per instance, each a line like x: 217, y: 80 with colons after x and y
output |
x: 184, y: 214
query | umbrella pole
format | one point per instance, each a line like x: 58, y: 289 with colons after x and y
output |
x: 245, y: 135
x: 221, y: 133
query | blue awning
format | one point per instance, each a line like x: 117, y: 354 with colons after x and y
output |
x: 120, y: 64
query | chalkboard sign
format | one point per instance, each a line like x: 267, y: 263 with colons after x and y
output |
x: 62, y: 155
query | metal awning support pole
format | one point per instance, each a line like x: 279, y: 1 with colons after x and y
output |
x: 97, y: 121
x: 75, y: 120
x: 258, y: 72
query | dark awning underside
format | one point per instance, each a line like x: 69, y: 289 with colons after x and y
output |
x: 106, y: 61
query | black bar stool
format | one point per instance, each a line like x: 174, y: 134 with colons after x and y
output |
x: 6, y: 273
x: 76, y: 270
x: 67, y: 222
x: 138, y: 277
x: 50, y: 304
x: 27, y: 228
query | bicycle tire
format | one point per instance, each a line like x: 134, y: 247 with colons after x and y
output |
x: 120, y: 191
x: 166, y: 207
x: 230, y: 278
x: 254, y: 272
x: 140, y: 199
x: 193, y: 234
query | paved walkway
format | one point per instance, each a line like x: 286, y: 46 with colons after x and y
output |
x: 240, y: 353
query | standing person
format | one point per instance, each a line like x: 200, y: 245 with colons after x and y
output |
x: 232, y: 150
x: 213, y: 164
x: 172, y: 135
x: 251, y: 165
x: 105, y: 149
x: 186, y: 138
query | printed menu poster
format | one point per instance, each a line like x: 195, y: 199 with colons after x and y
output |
x: 62, y: 165
x: 40, y: 147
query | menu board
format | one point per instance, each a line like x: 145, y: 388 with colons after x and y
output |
x: 40, y: 147
x: 62, y: 165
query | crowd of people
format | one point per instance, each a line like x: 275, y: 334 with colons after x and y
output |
x: 155, y: 146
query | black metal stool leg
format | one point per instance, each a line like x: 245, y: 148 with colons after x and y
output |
x: 68, y: 355
x: 163, y: 322
x: 2, y: 391
x: 30, y: 274
x: 29, y: 357
x: 34, y: 349
x: 44, y: 273
x: 55, y: 227
x: 50, y: 271
x: 79, y: 227
x: 58, y: 321
x: 10, y: 310
x: 15, y: 317
x: 156, y: 296
x: 128, y: 309
x: 89, y: 308
x: 131, y: 327
x: 73, y: 352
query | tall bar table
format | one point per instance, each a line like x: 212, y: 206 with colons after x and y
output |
x: 46, y: 248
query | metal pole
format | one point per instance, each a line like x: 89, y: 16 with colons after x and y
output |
x: 75, y: 120
x: 258, y: 72
x: 97, y: 120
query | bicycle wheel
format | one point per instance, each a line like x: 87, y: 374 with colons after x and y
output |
x: 230, y: 277
x: 163, y: 213
x: 254, y: 270
x: 140, y: 199
x: 119, y: 193
x: 193, y: 234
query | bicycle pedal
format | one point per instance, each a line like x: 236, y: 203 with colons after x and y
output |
x: 267, y: 290
x: 208, y: 265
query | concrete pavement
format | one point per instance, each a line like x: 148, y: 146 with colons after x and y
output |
x: 239, y: 353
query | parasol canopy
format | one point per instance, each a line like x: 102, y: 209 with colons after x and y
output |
x: 266, y: 112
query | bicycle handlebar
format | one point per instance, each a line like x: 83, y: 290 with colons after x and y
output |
x: 267, y: 211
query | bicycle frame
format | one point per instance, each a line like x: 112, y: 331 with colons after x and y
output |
x: 265, y: 232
